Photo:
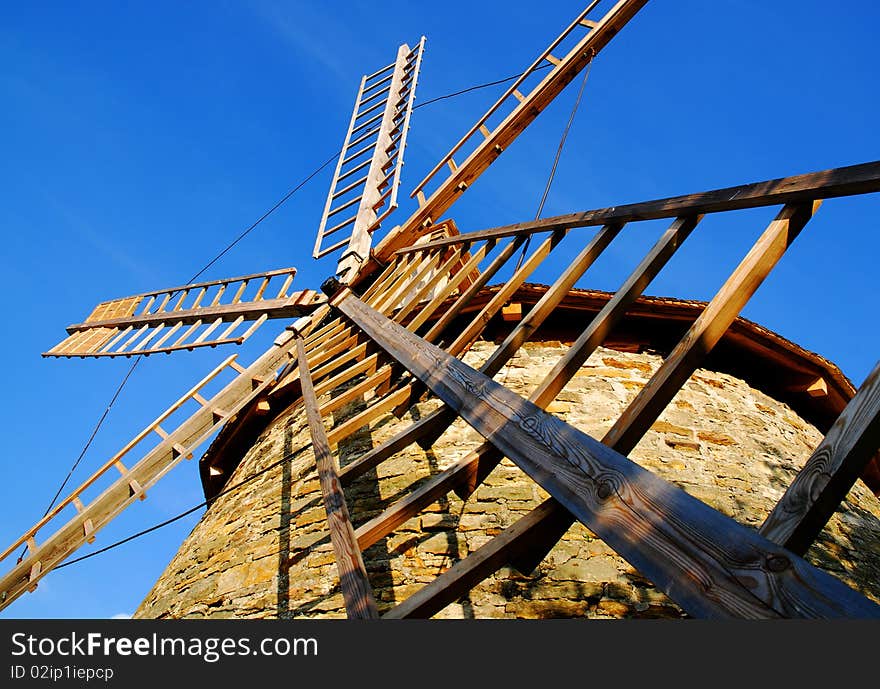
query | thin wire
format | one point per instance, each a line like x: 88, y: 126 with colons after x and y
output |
x: 210, y: 263
x: 552, y: 176
x: 180, y: 516
x: 479, y: 86
x: 574, y: 110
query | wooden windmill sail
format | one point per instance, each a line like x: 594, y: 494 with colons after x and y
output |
x: 385, y: 325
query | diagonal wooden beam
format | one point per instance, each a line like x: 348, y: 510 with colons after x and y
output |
x: 829, y: 474
x: 353, y: 580
x: 709, y: 327
x: 471, y: 470
x: 703, y: 333
x: 482, y: 563
x: 706, y: 562
x: 702, y: 336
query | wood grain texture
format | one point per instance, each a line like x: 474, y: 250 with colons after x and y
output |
x: 469, y: 472
x: 706, y: 562
x: 829, y: 473
x: 353, y: 580
x: 639, y: 416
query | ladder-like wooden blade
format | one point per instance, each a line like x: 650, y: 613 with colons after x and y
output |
x: 364, y: 188
x: 65, y: 530
x: 203, y: 314
x: 521, y: 110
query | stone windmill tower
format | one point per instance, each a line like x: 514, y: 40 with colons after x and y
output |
x: 427, y: 438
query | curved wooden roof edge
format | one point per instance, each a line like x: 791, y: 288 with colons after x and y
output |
x: 812, y: 385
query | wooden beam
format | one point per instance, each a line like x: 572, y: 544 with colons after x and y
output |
x: 641, y: 414
x: 706, y: 562
x: 460, y: 280
x: 353, y: 580
x: 550, y: 299
x: 436, y: 420
x: 702, y: 336
x: 467, y: 296
x: 709, y: 327
x: 844, y: 181
x: 829, y: 473
x: 479, y: 322
x: 469, y: 472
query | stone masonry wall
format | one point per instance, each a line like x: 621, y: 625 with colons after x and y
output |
x: 264, y: 551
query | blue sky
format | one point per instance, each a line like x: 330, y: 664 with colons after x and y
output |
x: 138, y: 139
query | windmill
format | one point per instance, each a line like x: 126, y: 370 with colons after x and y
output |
x: 383, y: 320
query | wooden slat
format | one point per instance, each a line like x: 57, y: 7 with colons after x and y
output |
x: 356, y: 391
x: 353, y: 580
x: 475, y: 466
x: 482, y: 563
x: 709, y: 326
x: 367, y: 416
x: 468, y: 295
x: 472, y: 331
x: 425, y: 292
x: 829, y: 473
x: 706, y: 562
x: 455, y: 282
x: 550, y: 299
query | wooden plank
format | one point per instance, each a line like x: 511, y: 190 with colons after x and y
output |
x: 592, y: 337
x: 412, y: 433
x: 697, y: 342
x: 425, y: 292
x: 706, y: 562
x: 833, y: 183
x: 550, y: 299
x: 356, y: 391
x: 603, y: 323
x: 432, y: 490
x: 433, y: 425
x: 367, y: 365
x: 353, y: 580
x: 472, y: 331
x: 367, y: 416
x: 829, y: 473
x: 469, y: 472
x: 415, y: 288
x: 455, y: 282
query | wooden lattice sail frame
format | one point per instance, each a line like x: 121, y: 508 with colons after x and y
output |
x: 386, y: 329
